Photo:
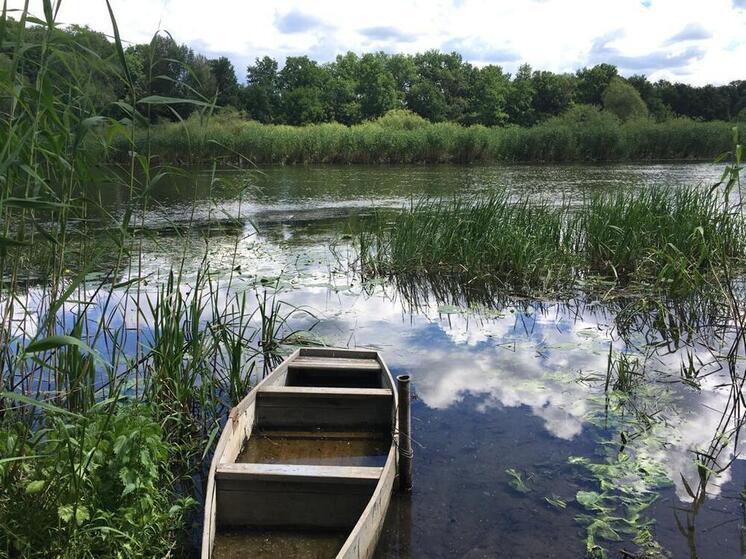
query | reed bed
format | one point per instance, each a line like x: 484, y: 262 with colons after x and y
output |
x: 113, y: 381
x: 674, y: 237
x: 231, y: 139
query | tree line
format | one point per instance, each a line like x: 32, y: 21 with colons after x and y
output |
x: 354, y: 88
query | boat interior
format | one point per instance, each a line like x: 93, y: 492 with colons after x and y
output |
x: 303, y: 456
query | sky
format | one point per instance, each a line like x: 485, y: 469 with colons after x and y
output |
x: 691, y: 41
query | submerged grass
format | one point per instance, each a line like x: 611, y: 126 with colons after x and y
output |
x: 673, y: 237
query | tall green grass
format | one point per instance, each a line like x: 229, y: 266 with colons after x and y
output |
x: 673, y: 237
x: 113, y: 382
x: 574, y: 137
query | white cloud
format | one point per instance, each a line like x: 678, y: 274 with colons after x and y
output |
x: 556, y: 35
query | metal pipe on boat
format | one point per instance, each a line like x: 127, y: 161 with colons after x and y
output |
x: 405, y: 432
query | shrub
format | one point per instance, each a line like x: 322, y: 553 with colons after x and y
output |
x: 88, y: 486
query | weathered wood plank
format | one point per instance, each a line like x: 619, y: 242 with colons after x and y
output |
x: 293, y: 407
x: 326, y: 434
x: 335, y: 363
x: 362, y: 541
x: 279, y: 500
x: 291, y: 502
x: 335, y: 377
x: 338, y: 353
x: 334, y: 392
x: 225, y: 440
x: 299, y: 473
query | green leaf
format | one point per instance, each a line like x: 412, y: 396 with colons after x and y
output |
x: 161, y: 100
x: 556, y: 502
x: 589, y: 499
x: 65, y: 512
x: 35, y: 486
x: 36, y: 403
x: 5, y: 243
x: 516, y: 481
x: 32, y: 204
x: 55, y: 342
x: 120, y: 47
x: 18, y: 458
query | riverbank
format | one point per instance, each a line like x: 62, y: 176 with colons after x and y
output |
x: 586, y: 134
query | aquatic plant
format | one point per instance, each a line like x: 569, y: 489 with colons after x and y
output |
x: 516, y: 481
x: 675, y: 238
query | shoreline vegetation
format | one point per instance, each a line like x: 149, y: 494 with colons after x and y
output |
x: 670, y: 239
x: 114, y: 381
x: 583, y: 134
x: 428, y: 107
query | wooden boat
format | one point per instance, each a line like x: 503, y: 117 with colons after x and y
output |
x: 310, y: 451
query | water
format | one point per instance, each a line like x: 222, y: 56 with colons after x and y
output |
x: 505, y: 391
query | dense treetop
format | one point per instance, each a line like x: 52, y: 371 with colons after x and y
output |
x: 353, y: 88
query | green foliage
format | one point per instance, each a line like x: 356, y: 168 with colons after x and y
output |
x: 89, y: 486
x: 226, y: 83
x: 401, y: 119
x: 553, y: 94
x: 489, y: 97
x: 84, y: 473
x: 674, y: 237
x: 516, y: 481
x: 376, y: 88
x: 592, y: 82
x: 623, y: 100
x: 583, y: 133
x: 260, y: 96
x: 438, y: 86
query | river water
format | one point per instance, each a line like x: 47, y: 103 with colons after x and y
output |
x: 520, y: 448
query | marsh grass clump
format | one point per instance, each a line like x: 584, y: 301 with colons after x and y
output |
x: 673, y: 235
x: 675, y: 238
x: 510, y: 239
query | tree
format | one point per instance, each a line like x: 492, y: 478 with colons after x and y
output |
x: 340, y: 99
x: 554, y: 93
x: 300, y: 83
x: 226, y: 82
x: 376, y: 87
x: 520, y: 98
x: 651, y: 95
x: 489, y: 96
x: 592, y: 82
x: 200, y: 79
x: 165, y: 72
x: 623, y: 100
x: 442, y: 78
x: 425, y: 99
x: 261, y: 97
x: 403, y: 70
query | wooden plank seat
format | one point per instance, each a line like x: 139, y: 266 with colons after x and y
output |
x: 347, y: 364
x: 335, y: 371
x: 293, y: 496
x: 313, y: 407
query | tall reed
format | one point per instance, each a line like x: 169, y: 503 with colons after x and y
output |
x: 232, y: 139
x: 673, y: 236
x: 113, y: 382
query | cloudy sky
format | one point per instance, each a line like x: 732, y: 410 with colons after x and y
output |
x: 683, y: 40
